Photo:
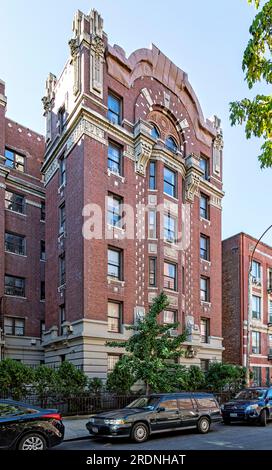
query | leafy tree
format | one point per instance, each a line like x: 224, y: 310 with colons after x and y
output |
x: 95, y: 385
x: 257, y: 65
x: 225, y: 377
x: 70, y: 380
x: 194, y: 379
x: 153, y: 352
x: 45, y: 380
x: 121, y: 379
x: 15, y: 377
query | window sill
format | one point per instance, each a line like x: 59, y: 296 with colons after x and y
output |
x: 17, y: 254
x: 202, y: 219
x: 61, y: 187
x: 117, y: 175
x: 207, y: 261
x: 43, y: 301
x: 15, y: 297
x: 43, y: 221
x: 205, y: 303
x: 44, y: 260
x: 15, y: 212
x: 170, y: 290
x: 115, y: 280
x: 175, y: 199
x: 62, y: 287
x: 114, y: 227
x: 169, y: 243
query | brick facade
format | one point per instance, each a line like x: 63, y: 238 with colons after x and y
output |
x: 237, y: 255
x: 151, y: 91
x: 21, y: 231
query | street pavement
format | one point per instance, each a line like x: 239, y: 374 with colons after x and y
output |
x: 221, y: 437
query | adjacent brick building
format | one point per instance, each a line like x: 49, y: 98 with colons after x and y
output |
x: 237, y: 256
x: 22, y: 238
x: 128, y: 131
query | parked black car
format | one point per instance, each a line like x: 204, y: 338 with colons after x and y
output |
x: 251, y: 404
x: 25, y: 427
x: 157, y: 413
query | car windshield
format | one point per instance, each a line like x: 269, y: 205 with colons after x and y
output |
x: 147, y: 403
x: 251, y: 394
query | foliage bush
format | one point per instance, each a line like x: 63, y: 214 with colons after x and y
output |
x: 225, y: 377
x: 15, y: 378
x: 70, y: 380
x: 95, y: 385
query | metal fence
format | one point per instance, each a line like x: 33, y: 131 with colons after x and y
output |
x: 87, y: 403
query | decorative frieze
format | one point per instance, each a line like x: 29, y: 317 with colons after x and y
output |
x: 129, y: 152
x: 51, y: 170
x: 152, y: 248
x: 170, y: 252
x: 216, y: 201
x: 173, y: 300
x: 86, y: 127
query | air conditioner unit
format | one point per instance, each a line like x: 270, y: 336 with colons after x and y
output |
x: 70, y: 328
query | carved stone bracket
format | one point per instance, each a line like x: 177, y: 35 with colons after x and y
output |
x: 192, y: 186
x: 143, y: 152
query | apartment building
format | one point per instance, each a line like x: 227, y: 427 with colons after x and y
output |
x: 133, y: 178
x: 22, y: 240
x: 247, y: 305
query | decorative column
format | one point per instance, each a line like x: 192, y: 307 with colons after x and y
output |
x: 218, y: 145
x: 48, y: 103
x: 192, y: 182
x: 97, y: 49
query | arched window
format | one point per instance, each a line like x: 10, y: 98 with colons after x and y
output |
x: 155, y: 132
x: 171, y: 144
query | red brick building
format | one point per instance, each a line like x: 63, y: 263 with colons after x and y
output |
x: 124, y: 132
x: 237, y: 256
x: 22, y: 238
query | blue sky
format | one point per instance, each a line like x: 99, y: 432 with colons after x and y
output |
x: 204, y: 38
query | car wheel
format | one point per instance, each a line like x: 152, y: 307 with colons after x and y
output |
x: 263, y: 418
x: 139, y: 432
x: 226, y: 421
x: 32, y: 442
x: 203, y: 425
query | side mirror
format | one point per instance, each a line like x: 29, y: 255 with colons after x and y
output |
x: 160, y: 409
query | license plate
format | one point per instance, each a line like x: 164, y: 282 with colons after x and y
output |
x: 94, y: 429
x: 233, y: 415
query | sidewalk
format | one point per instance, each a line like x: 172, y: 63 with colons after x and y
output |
x: 75, y: 427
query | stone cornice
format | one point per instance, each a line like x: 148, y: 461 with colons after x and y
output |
x: 168, y: 158
x: 26, y: 186
x: 211, y: 188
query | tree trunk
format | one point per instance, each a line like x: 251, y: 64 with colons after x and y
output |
x: 147, y: 391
